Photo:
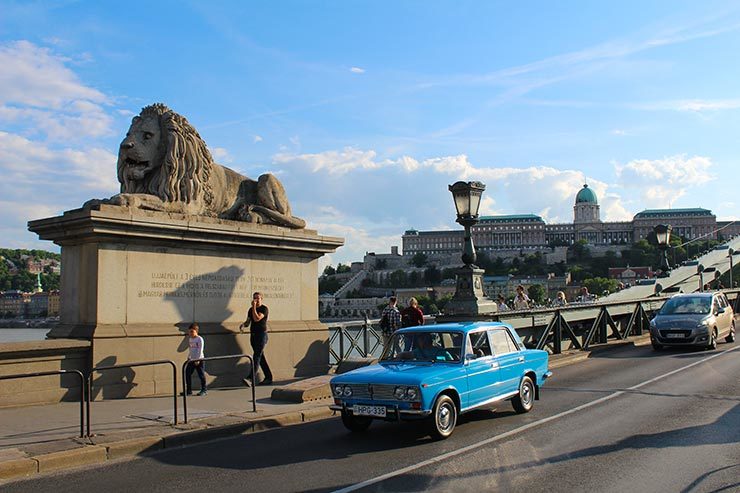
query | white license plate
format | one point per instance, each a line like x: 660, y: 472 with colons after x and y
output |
x: 375, y: 411
x: 674, y: 336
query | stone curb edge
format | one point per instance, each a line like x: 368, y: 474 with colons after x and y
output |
x: 19, y: 468
x: 25, y: 467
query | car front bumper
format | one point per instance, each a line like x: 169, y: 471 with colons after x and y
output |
x: 393, y: 413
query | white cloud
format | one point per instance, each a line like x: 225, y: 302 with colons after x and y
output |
x: 221, y: 155
x: 618, y: 132
x: 29, y: 163
x: 674, y: 170
x: 40, y: 92
x: 332, y: 162
x: 691, y: 105
x: 357, y: 70
x: 257, y: 138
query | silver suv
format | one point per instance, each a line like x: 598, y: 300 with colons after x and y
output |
x: 693, y: 319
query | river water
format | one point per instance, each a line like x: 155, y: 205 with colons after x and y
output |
x: 23, y: 334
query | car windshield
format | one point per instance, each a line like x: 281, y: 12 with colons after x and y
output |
x: 428, y: 346
x: 696, y: 305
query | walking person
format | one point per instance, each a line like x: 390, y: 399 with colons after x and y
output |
x: 390, y: 320
x: 195, y: 353
x: 257, y: 318
x: 412, y: 315
x: 501, y: 304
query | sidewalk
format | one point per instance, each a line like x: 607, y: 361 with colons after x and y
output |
x: 45, y: 438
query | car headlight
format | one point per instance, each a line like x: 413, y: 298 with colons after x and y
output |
x: 399, y: 393
x: 704, y: 322
x: 338, y: 389
x: 412, y: 393
x: 347, y: 391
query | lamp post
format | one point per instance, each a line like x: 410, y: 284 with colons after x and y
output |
x: 663, y: 235
x: 700, y: 271
x: 469, y: 300
x: 730, y: 253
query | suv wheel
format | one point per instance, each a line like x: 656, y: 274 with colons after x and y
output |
x: 731, y: 336
x: 712, y: 340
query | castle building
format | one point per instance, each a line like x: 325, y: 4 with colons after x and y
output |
x: 530, y: 232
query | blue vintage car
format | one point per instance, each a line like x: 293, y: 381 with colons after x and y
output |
x: 437, y: 372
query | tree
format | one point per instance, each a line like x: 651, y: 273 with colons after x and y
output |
x: 432, y: 276
x: 600, y: 285
x: 341, y: 269
x: 580, y: 250
x: 419, y: 259
x: 398, y: 278
x: 537, y: 293
x: 329, y: 270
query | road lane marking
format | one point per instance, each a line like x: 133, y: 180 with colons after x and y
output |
x: 502, y: 436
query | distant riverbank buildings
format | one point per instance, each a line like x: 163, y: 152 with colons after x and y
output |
x: 530, y: 232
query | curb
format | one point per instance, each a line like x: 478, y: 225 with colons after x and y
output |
x: 23, y: 466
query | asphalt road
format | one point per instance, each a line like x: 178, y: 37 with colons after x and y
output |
x: 625, y: 420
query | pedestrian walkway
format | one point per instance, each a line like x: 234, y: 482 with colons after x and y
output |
x: 45, y: 438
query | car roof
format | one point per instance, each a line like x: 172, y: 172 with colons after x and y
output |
x: 456, y: 326
x: 703, y: 294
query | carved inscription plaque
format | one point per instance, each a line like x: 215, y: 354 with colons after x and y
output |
x: 183, y: 288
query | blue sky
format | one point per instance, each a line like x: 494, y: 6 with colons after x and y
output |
x: 368, y: 110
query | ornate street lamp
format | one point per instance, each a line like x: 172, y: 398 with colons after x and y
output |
x: 467, y: 202
x: 730, y: 253
x: 663, y: 235
x: 469, y: 300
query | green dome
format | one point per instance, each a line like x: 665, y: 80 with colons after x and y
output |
x: 586, y: 195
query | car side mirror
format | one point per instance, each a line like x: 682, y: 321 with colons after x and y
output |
x: 720, y: 311
x: 469, y: 357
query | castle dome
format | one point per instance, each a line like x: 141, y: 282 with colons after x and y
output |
x: 586, y: 195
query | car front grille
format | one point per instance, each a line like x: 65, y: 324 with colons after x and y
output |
x: 375, y: 392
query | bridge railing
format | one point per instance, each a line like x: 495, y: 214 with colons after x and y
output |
x: 575, y: 326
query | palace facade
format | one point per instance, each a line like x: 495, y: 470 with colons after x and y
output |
x: 530, y: 232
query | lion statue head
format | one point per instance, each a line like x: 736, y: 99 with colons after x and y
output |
x: 163, y: 155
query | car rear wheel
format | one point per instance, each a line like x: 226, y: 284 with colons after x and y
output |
x: 731, y: 336
x: 712, y: 340
x: 444, y: 417
x: 355, y: 423
x: 524, y: 401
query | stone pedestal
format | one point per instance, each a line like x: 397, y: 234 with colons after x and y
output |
x: 469, y: 302
x: 132, y: 282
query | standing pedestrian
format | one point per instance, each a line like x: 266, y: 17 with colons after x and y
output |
x: 560, y: 299
x: 195, y: 354
x: 390, y: 320
x: 257, y: 317
x: 502, y: 306
x: 411, y: 316
x: 521, y: 300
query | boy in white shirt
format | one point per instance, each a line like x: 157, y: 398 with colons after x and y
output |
x: 194, y: 354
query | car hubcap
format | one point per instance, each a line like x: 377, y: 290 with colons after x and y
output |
x: 526, y: 394
x: 444, y: 417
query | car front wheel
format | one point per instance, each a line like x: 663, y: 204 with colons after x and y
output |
x: 444, y: 417
x: 712, y: 340
x: 524, y: 400
x: 731, y: 336
x: 355, y: 423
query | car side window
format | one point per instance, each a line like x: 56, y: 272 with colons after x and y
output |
x: 479, y: 344
x: 715, y: 305
x: 501, y: 341
x: 722, y: 301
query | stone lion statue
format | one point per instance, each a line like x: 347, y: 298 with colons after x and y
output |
x: 164, y: 165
